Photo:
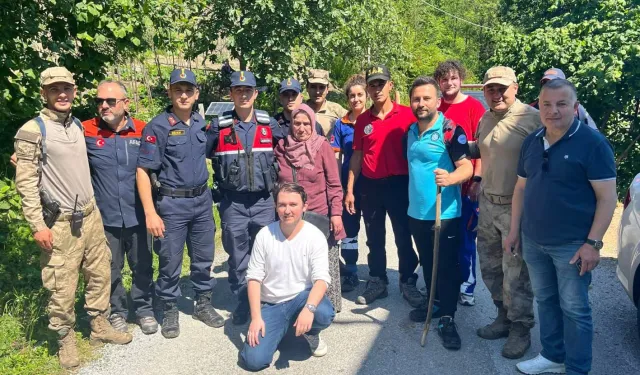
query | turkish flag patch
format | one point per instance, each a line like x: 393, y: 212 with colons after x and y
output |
x: 100, y: 142
x: 150, y: 139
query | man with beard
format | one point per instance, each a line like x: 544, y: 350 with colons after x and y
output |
x: 326, y: 111
x: 465, y: 111
x: 289, y: 95
x: 113, y: 143
x: 437, y: 151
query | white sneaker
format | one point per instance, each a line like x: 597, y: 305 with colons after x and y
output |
x: 317, y: 346
x: 540, y: 365
x: 466, y: 299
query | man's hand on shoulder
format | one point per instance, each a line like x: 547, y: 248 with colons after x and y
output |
x: 44, y: 239
x: 304, y: 321
x: 257, y: 329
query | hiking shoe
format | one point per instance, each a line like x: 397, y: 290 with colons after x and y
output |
x: 448, y: 332
x: 170, y: 321
x: 518, y: 342
x: 67, y: 349
x: 411, y: 293
x: 118, y: 323
x: 205, y: 312
x: 241, y: 313
x: 317, y: 346
x: 103, y: 332
x: 540, y: 365
x: 376, y: 288
x: 467, y: 299
x: 419, y: 315
x: 349, y: 283
x: 498, y: 328
x: 148, y: 325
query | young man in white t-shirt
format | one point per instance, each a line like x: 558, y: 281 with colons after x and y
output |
x: 288, y: 276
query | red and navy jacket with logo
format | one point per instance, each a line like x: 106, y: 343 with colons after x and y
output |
x: 113, y: 160
x: 242, y: 152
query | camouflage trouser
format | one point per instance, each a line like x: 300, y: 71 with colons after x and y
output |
x: 88, y: 253
x: 506, y: 276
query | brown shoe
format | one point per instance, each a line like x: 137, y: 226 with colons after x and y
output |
x: 68, y: 351
x: 518, y: 342
x: 498, y: 328
x: 103, y: 332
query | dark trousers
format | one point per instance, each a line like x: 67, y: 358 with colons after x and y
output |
x: 448, y: 282
x: 349, y: 245
x: 135, y: 245
x: 379, y: 197
x: 469, y: 223
x: 190, y: 221
x: 242, y: 216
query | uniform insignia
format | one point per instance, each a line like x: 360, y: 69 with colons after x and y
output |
x: 462, y: 139
x: 333, y: 139
x: 368, y: 129
x: 135, y: 142
x: 150, y: 139
x: 171, y: 120
x: 182, y: 75
x: 288, y: 81
x: 242, y: 78
x: 263, y: 131
x: 435, y: 136
x: 177, y: 132
x: 100, y: 142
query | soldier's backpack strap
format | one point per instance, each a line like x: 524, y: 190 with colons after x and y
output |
x: 262, y: 117
x: 226, y: 119
x: 43, y: 131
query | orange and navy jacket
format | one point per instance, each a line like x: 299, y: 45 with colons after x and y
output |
x: 113, y: 159
x: 242, y: 152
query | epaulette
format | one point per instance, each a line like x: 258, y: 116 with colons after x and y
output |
x: 226, y: 119
x: 262, y: 117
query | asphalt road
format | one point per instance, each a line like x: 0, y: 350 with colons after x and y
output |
x: 377, y: 339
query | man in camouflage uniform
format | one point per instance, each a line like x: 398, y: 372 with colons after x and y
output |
x: 55, y: 161
x: 500, y: 135
x: 327, y: 112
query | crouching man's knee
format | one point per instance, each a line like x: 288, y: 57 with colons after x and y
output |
x: 255, y: 359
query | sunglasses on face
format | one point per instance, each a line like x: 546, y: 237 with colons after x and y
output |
x: 110, y: 101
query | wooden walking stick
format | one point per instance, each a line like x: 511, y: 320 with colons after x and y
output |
x: 434, y: 268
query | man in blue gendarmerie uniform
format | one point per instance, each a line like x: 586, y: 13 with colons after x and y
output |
x: 289, y: 95
x: 240, y: 144
x: 173, y: 147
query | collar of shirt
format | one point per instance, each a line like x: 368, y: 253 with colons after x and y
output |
x: 345, y: 120
x: 575, y: 126
x: 323, y: 107
x: 128, y: 125
x: 394, y: 110
x: 515, y: 108
x: 176, y: 119
x: 62, y: 118
x: 437, y: 126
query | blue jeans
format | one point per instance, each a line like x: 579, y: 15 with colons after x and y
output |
x: 277, y: 320
x: 566, y: 326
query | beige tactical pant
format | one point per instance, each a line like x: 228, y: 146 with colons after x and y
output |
x: 60, y: 270
x: 506, y: 276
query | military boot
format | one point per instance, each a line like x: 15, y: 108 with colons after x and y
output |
x: 205, y: 313
x: 67, y: 349
x: 498, y: 328
x: 242, y: 311
x: 518, y: 342
x: 170, y: 321
x: 103, y: 332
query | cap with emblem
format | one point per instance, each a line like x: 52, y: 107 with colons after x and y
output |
x: 501, y: 75
x: 318, y: 76
x: 290, y: 84
x: 243, y: 78
x: 553, y: 73
x: 182, y: 75
x: 56, y: 74
x: 378, y: 72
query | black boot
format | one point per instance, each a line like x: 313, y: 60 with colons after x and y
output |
x: 241, y: 313
x: 170, y: 323
x: 205, y: 313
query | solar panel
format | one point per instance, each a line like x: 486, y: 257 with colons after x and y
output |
x: 217, y: 108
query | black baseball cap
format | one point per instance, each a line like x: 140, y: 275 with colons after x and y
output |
x: 378, y: 72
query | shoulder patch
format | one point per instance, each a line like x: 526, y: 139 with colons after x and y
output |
x: 262, y: 117
x: 28, y: 135
x: 226, y: 119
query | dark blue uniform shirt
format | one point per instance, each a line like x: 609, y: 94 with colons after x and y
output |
x: 559, y: 201
x: 175, y: 150
x: 112, y: 159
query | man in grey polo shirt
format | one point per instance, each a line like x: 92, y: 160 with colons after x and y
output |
x: 567, y: 189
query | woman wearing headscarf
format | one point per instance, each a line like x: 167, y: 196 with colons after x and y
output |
x: 308, y: 159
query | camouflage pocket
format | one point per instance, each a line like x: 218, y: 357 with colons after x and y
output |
x: 53, y: 273
x: 25, y: 150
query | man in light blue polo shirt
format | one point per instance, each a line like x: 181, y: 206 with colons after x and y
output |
x: 437, y: 152
x: 565, y: 196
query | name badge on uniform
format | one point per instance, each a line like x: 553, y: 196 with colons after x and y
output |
x: 265, y: 140
x: 368, y: 129
x: 134, y: 142
x: 177, y: 132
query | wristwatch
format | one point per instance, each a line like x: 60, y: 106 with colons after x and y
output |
x: 476, y: 178
x: 597, y: 244
x: 311, y: 307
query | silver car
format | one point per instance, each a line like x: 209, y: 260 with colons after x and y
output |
x: 628, y: 269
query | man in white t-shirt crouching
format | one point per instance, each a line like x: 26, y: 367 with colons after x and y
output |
x: 288, y: 276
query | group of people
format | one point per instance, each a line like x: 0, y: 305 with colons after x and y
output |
x: 537, y: 187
